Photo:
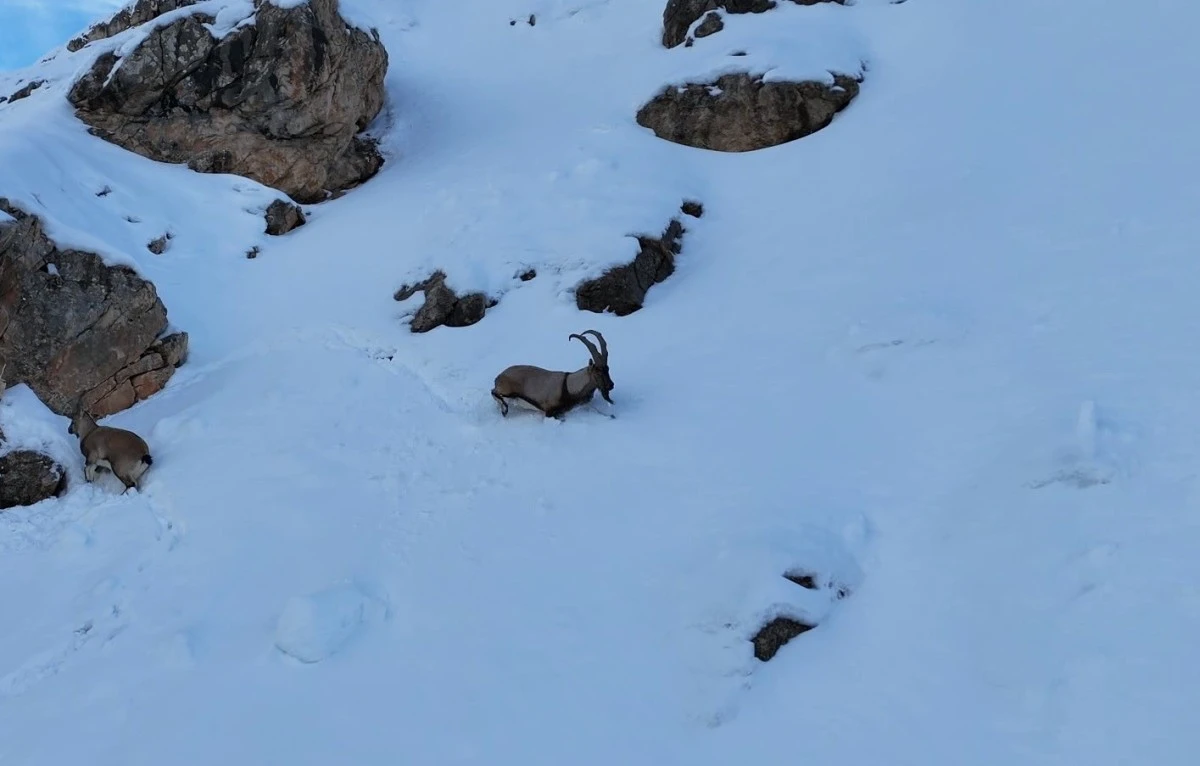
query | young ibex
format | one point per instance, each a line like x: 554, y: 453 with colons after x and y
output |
x: 122, y: 452
x: 553, y: 392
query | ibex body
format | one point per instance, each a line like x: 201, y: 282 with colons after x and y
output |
x: 122, y: 452
x: 554, y: 392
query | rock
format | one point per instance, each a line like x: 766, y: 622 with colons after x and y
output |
x: 173, y: 348
x: 741, y: 113
x: 806, y: 580
x: 679, y: 15
x: 80, y: 330
x: 283, y: 216
x: 25, y: 91
x: 772, y: 636
x: 150, y: 383
x: 280, y: 100
x: 622, y: 289
x: 693, y: 208
x: 443, y: 306
x: 710, y: 26
x: 128, y: 18
x: 28, y: 477
x: 159, y: 246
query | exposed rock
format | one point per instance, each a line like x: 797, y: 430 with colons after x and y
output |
x: 28, y: 477
x: 253, y: 252
x: 693, y: 208
x: 772, y: 636
x: 26, y: 90
x: 679, y: 15
x: 527, y: 275
x: 710, y: 26
x: 803, y: 579
x: 159, y: 246
x: 77, y: 329
x: 140, y: 380
x: 443, y: 306
x: 622, y: 289
x: 280, y: 100
x: 283, y: 216
x: 128, y: 18
x: 172, y: 348
x: 741, y: 113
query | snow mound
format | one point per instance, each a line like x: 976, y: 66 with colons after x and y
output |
x: 316, y: 626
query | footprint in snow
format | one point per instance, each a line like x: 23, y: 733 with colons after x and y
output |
x: 1091, y: 457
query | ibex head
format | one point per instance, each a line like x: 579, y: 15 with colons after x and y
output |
x: 598, y: 366
x: 81, y: 422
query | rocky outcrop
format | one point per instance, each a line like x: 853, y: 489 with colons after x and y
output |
x: 77, y: 328
x: 128, y: 18
x: 27, y: 90
x: 622, y: 289
x: 741, y: 112
x: 679, y: 15
x: 442, y: 305
x: 283, y: 216
x: 281, y: 100
x: 28, y: 477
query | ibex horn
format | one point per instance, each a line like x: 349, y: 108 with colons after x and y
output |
x: 595, y: 354
x: 603, y: 343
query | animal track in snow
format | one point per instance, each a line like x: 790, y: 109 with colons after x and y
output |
x: 874, y: 344
x: 1092, y: 457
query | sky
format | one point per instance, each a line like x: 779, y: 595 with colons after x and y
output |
x: 30, y: 28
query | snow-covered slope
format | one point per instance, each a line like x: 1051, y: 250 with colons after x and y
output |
x: 940, y: 353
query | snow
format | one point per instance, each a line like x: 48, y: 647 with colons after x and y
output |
x: 315, y: 627
x: 938, y: 353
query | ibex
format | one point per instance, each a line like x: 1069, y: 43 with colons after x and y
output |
x: 553, y: 392
x: 122, y: 452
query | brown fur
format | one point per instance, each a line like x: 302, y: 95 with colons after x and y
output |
x: 120, y: 451
x: 553, y: 392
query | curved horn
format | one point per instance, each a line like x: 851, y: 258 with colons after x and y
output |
x: 603, y: 343
x: 595, y: 354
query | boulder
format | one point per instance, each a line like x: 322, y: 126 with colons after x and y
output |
x: 281, y: 100
x: 742, y: 113
x: 28, y: 477
x: 622, y: 289
x: 442, y: 305
x: 283, y: 216
x: 679, y: 15
x: 77, y: 329
x: 127, y: 18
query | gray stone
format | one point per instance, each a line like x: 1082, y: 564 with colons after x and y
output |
x: 742, y: 113
x: 281, y: 101
x: 679, y: 15
x: 622, y: 289
x: 28, y: 477
x: 442, y: 305
x: 71, y: 329
x: 283, y: 216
